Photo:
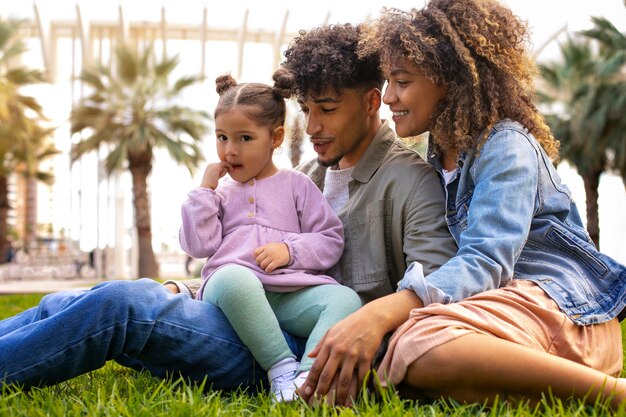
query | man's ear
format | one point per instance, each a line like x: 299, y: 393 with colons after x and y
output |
x: 278, y: 135
x: 374, y: 101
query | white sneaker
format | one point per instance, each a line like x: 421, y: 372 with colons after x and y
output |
x: 299, y: 380
x: 282, y: 376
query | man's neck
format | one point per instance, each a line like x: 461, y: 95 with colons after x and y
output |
x: 350, y: 160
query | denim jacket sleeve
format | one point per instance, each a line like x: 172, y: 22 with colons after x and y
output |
x: 502, y: 187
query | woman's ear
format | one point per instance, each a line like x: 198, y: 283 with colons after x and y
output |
x: 278, y: 135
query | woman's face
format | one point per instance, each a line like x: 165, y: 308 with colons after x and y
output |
x: 412, y: 98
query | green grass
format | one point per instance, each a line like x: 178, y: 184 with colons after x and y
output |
x: 117, y: 391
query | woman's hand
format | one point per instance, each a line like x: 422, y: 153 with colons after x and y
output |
x: 343, y: 358
x: 345, y: 353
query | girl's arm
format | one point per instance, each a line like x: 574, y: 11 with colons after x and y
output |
x: 319, y: 246
x: 201, y: 231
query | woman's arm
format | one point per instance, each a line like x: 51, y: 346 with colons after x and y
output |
x: 345, y: 353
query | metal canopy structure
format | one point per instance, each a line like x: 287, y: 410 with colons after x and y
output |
x: 93, y: 35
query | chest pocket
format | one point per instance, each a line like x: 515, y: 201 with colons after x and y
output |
x: 369, y: 244
x: 457, y: 216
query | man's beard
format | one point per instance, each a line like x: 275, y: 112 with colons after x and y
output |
x: 333, y: 162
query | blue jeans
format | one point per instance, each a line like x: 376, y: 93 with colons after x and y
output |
x: 139, y: 324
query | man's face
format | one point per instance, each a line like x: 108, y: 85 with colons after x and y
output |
x: 337, y: 123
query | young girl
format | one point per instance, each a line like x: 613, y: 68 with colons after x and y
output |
x: 528, y: 307
x: 269, y: 235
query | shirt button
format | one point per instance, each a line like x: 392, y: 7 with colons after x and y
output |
x: 251, y: 214
x: 251, y: 200
x: 251, y: 183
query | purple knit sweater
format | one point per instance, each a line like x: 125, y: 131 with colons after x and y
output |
x: 227, y: 224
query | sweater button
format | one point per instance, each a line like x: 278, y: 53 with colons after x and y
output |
x: 251, y: 200
x: 251, y: 214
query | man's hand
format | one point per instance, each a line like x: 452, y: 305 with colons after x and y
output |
x: 173, y: 288
x: 272, y: 256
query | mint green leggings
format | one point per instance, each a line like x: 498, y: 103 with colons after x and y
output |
x: 258, y: 315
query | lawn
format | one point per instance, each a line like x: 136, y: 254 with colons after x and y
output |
x: 117, y: 391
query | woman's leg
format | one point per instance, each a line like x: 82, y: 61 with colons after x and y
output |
x: 311, y: 311
x: 237, y: 291
x: 478, y: 367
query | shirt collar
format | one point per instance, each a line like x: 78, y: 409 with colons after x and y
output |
x: 375, y: 153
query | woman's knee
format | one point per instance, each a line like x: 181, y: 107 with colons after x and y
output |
x: 433, y: 370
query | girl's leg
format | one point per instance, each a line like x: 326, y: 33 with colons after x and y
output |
x: 311, y: 311
x: 237, y: 291
x: 478, y: 367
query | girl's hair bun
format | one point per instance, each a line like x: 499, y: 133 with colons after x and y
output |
x: 223, y: 83
x: 284, y: 83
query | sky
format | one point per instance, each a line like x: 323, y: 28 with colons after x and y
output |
x: 549, y: 20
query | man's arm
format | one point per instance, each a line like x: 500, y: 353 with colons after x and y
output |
x: 187, y: 286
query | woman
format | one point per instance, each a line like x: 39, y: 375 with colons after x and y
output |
x: 528, y: 306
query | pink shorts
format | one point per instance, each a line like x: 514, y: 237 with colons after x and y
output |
x: 521, y: 313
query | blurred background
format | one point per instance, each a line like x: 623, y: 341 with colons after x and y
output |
x: 105, y: 115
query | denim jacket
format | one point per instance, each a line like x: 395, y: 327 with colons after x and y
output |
x: 512, y: 218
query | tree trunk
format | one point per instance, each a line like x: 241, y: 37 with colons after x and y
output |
x: 4, y: 215
x: 30, y: 214
x: 592, y: 181
x: 140, y: 169
x: 295, y: 142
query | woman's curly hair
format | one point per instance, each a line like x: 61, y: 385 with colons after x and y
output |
x: 263, y: 103
x: 478, y: 49
x: 326, y: 58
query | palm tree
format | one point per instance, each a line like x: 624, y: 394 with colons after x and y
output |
x: 23, y: 140
x: 296, y: 139
x: 567, y: 84
x: 133, y: 109
x: 605, y: 102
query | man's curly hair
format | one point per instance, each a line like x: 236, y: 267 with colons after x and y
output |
x: 326, y: 58
x: 478, y: 49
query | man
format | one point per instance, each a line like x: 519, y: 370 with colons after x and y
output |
x: 392, y: 209
x: 389, y: 200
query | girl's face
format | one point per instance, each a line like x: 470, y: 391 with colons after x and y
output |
x: 246, y: 145
x: 412, y: 98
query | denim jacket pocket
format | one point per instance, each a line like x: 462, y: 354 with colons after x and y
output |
x: 457, y: 219
x: 370, y: 237
x: 568, y: 244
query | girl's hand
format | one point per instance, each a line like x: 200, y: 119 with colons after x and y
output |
x: 213, y: 173
x: 272, y: 256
